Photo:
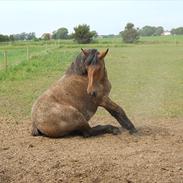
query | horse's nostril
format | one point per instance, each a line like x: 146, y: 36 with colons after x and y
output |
x: 94, y: 94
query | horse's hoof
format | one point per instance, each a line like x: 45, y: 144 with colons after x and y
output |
x: 86, y: 134
x: 116, y: 131
x: 132, y: 131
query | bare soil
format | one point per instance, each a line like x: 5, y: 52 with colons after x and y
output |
x: 154, y: 154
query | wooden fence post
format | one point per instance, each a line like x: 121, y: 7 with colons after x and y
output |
x: 27, y: 53
x: 46, y: 46
x: 5, y: 60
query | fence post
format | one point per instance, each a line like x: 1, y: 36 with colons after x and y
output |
x: 46, y: 46
x: 5, y: 60
x: 27, y: 53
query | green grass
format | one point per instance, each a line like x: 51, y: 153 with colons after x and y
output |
x: 17, y: 51
x: 18, y: 54
x: 146, y: 79
x: 21, y: 85
x: 176, y: 39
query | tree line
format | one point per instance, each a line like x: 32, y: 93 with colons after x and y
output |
x: 15, y: 37
x: 130, y: 34
x: 83, y: 34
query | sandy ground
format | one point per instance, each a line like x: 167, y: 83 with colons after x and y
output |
x: 154, y: 154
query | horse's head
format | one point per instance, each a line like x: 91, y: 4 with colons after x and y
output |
x: 95, y: 68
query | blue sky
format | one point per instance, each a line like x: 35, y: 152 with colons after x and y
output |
x: 106, y: 17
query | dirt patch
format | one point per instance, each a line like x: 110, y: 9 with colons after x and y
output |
x: 154, y: 154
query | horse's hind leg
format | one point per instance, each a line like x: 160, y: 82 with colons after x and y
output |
x: 60, y: 121
x: 99, y: 130
x: 63, y: 120
x: 35, y: 131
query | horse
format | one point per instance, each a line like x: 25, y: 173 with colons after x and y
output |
x: 68, y: 105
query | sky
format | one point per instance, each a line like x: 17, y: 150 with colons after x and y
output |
x: 105, y: 17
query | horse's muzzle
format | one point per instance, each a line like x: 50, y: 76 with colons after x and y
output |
x: 92, y: 93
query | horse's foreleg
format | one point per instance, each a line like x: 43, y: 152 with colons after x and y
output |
x: 117, y: 112
x: 100, y: 129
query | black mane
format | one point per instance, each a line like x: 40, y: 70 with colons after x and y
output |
x: 79, y: 65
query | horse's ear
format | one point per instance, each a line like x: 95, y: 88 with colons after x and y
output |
x: 84, y: 52
x: 103, y: 54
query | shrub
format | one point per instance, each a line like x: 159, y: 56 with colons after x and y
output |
x: 130, y: 34
x: 83, y: 34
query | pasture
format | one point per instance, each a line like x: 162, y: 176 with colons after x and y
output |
x: 147, y: 81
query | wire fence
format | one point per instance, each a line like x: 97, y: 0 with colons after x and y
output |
x: 12, y: 56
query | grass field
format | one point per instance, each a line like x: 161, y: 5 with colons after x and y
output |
x: 147, y: 78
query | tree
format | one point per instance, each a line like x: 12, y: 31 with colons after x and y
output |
x: 130, y: 34
x: 83, y: 35
x: 158, y: 31
x: 177, y: 31
x: 61, y: 33
x: 151, y: 31
x: 11, y: 38
x: 24, y: 36
x: 30, y: 36
x: 4, y: 38
x: 147, y: 30
x: 94, y: 34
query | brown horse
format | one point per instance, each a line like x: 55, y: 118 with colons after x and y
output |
x: 68, y: 105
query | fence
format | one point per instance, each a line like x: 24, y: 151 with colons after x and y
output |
x: 13, y: 56
x: 5, y: 64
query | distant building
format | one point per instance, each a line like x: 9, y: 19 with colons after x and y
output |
x: 46, y: 36
x: 166, y: 33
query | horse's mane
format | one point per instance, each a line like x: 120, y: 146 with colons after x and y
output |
x: 79, y: 65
